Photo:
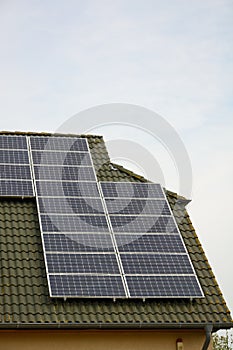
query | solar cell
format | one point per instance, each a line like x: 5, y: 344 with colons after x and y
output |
x: 70, y: 205
x: 137, y: 206
x: 60, y: 173
x: 82, y: 263
x: 86, y: 286
x: 157, y: 243
x: 61, y: 158
x: 156, y: 264
x: 163, y: 286
x: 73, y: 223
x: 73, y: 242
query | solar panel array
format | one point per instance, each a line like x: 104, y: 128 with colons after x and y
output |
x: 79, y: 252
x: 107, y: 239
x: 154, y: 260
x: 15, y: 172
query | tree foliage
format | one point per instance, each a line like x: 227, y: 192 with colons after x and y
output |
x: 222, y: 342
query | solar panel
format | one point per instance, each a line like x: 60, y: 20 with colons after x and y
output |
x: 14, y: 157
x: 15, y: 142
x: 67, y: 189
x: 137, y: 206
x: 151, y: 251
x: 150, y: 243
x: 15, y: 188
x: 162, y: 264
x: 142, y: 224
x: 70, y: 205
x: 56, y: 143
x: 61, y: 158
x: 78, y: 242
x: 131, y: 190
x: 62, y: 173
x: 85, y: 286
x: 15, y: 172
x: 82, y: 263
x: 73, y: 223
x: 176, y: 286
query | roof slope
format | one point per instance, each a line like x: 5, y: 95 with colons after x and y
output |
x: 24, y: 295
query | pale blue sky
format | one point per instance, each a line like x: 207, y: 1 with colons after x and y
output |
x: 174, y: 57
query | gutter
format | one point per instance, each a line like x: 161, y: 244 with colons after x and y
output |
x: 207, y: 327
x: 208, y: 331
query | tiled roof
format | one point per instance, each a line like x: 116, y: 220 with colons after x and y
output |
x: 24, y: 295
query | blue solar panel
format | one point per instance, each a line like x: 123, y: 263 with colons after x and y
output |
x: 162, y: 264
x: 176, y: 286
x: 123, y: 206
x: 16, y: 172
x: 100, y: 286
x: 143, y: 224
x: 61, y: 158
x: 14, y: 157
x: 64, y: 173
x: 150, y: 243
x: 82, y: 263
x: 15, y: 188
x: 13, y: 142
x: 81, y: 242
x: 67, y: 189
x: 70, y: 205
x: 58, y: 143
x: 131, y: 190
x: 73, y: 223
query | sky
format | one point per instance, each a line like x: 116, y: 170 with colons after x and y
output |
x: 173, y: 57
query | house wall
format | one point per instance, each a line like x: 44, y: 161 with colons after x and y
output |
x: 101, y: 340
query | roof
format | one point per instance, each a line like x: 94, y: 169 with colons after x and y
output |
x: 24, y: 294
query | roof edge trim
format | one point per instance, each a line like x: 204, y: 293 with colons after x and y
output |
x: 216, y: 326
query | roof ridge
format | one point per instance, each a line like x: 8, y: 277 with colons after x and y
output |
x: 35, y: 133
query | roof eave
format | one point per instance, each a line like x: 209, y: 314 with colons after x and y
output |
x: 216, y: 326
